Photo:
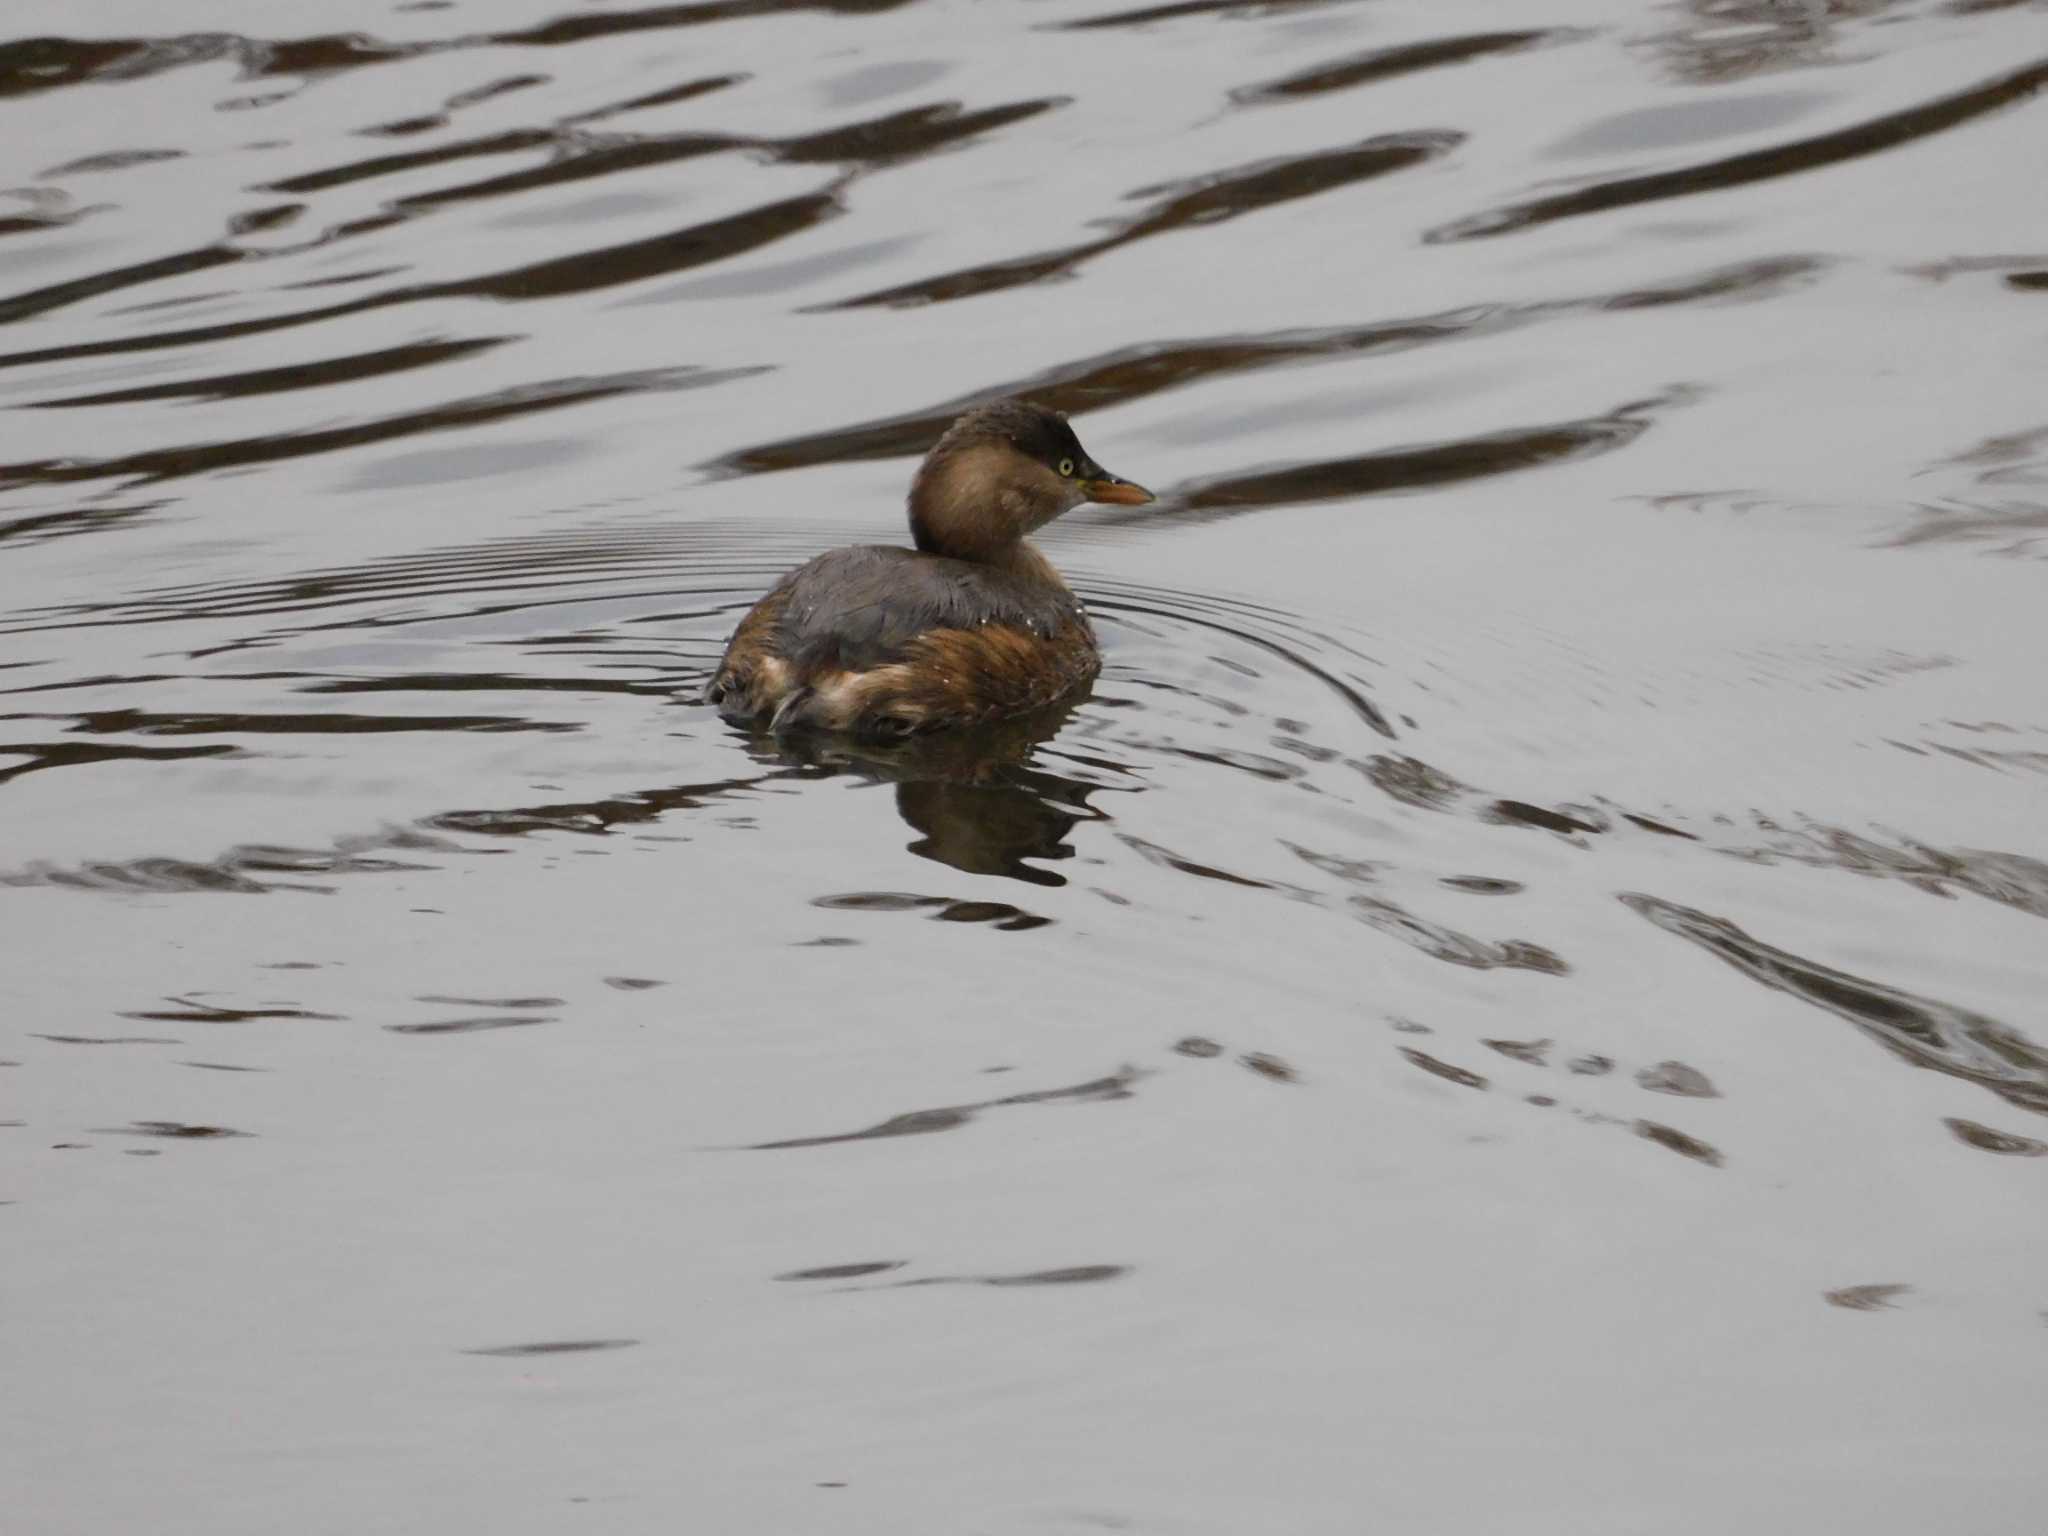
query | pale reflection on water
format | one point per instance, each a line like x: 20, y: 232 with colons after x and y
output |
x: 1528, y: 960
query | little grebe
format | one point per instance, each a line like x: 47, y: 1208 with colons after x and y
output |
x: 972, y: 625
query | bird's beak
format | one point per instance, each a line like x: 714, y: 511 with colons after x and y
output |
x: 1107, y: 487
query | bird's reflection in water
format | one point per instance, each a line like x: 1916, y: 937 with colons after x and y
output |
x: 973, y: 795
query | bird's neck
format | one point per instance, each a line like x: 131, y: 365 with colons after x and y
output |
x: 969, y: 505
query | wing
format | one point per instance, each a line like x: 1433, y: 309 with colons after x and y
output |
x: 863, y: 607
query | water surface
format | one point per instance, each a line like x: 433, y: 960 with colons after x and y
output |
x: 1515, y: 1004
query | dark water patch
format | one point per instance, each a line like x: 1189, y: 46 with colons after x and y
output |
x: 315, y: 374
x: 242, y: 871
x: 632, y: 983
x: 487, y: 682
x: 1984, y: 758
x: 917, y: 1122
x: 1223, y: 195
x: 596, y: 818
x: 551, y: 1347
x: 2012, y: 527
x: 667, y: 96
x: 585, y: 271
x: 1413, y: 782
x: 1920, y: 1031
x: 482, y: 1023
x: 697, y: 555
x: 945, y: 909
x: 922, y: 1122
x: 35, y: 64
x: 1796, y: 157
x: 580, y: 157
x: 113, y: 160
x: 490, y: 90
x: 173, y: 1130
x: 159, y: 464
x: 1675, y: 1077
x: 32, y: 65
x: 2031, y: 282
x: 660, y: 18
x: 1095, y: 383
x: 38, y: 301
x: 1443, y: 1069
x: 1174, y: 10
x: 844, y: 1271
x: 142, y: 723
x: 405, y: 127
x: 1257, y: 764
x: 903, y: 135
x: 325, y: 55
x: 2006, y: 458
x: 221, y: 1066
x: 1203, y: 200
x: 38, y: 220
x: 1388, y: 63
x: 1985, y: 1139
x: 1410, y: 468
x: 510, y: 141
x: 1650, y: 825
x: 1166, y: 858
x: 1866, y: 1298
x: 635, y: 261
x: 254, y: 221
x: 1351, y: 871
x: 1266, y: 1064
x: 103, y: 680
x: 1001, y: 913
x: 1482, y: 885
x: 1519, y: 813
x: 185, y: 1010
x: 1535, y: 1053
x: 41, y: 527
x: 137, y: 875
x: 107, y: 1039
x: 1717, y: 42
x: 1075, y: 1274
x: 194, y: 335
x: 1740, y: 282
x: 39, y: 756
x: 2010, y: 879
x: 1677, y: 1141
x: 1135, y: 373
x: 490, y: 1002
x: 341, y: 279
x: 1442, y: 943
x: 1953, y: 266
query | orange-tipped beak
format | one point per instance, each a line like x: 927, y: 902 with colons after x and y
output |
x: 1117, y: 492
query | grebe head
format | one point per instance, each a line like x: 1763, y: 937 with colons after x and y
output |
x: 1001, y: 471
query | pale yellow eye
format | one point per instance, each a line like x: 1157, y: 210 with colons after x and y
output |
x: 1066, y: 467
